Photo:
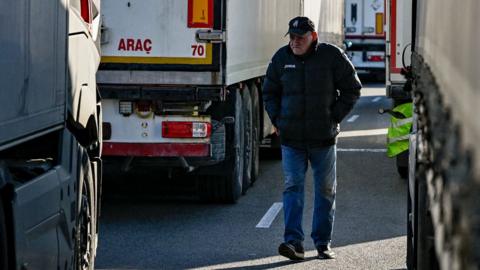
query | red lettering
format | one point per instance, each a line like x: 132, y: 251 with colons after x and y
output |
x: 147, y: 45
x: 194, y: 47
x: 121, y: 45
x: 130, y: 44
x: 200, y: 50
x: 139, y: 46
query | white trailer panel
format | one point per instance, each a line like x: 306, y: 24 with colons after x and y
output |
x: 151, y: 32
x: 399, y: 39
x: 326, y: 14
x: 255, y: 30
x: 448, y: 40
x: 364, y: 18
x: 354, y: 17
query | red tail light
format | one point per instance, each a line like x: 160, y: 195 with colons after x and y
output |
x: 375, y: 58
x: 86, y: 10
x: 186, y: 129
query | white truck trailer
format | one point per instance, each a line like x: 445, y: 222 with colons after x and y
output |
x: 398, y: 61
x: 181, y: 82
x: 365, y: 30
x: 50, y: 134
x: 398, y: 46
x: 444, y: 183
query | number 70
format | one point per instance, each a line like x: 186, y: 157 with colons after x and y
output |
x: 198, y: 50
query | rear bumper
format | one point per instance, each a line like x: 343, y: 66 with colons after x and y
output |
x: 369, y: 70
x: 397, y: 92
x: 171, y: 155
x: 156, y: 149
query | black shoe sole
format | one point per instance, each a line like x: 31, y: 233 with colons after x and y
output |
x: 290, y: 253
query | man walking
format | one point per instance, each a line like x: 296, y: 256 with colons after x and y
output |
x: 309, y: 88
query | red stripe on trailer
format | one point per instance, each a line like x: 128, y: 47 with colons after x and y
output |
x: 156, y: 149
x: 393, y: 37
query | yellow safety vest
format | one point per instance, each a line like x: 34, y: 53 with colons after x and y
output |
x: 399, y: 130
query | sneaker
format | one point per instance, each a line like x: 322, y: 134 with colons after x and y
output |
x: 292, y: 251
x: 325, y: 252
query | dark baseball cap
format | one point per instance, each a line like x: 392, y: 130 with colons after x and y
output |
x: 300, y: 25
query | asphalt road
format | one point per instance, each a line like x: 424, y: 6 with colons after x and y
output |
x: 152, y: 222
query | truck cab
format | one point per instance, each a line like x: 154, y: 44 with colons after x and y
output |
x: 50, y: 134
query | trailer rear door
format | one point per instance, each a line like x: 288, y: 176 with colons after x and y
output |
x: 364, y: 18
x: 353, y: 17
x: 159, y: 34
x: 373, y: 18
x: 399, y: 37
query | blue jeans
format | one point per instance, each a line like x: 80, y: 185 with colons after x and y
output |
x: 295, y: 164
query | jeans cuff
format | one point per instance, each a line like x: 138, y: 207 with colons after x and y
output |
x: 322, y: 243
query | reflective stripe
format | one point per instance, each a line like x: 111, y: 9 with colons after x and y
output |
x: 399, y: 130
x: 396, y: 148
x: 396, y: 139
x: 402, y: 122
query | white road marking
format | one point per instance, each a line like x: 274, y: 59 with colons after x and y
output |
x: 361, y: 133
x: 361, y: 150
x: 376, y: 99
x: 353, y: 118
x: 268, y: 218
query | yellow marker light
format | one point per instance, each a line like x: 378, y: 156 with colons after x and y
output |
x: 379, y: 23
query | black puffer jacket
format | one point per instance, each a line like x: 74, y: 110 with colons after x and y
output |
x: 306, y: 97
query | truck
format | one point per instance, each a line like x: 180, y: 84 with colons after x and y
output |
x: 50, y: 134
x: 181, y: 84
x: 398, y: 54
x: 444, y: 172
x: 365, y: 32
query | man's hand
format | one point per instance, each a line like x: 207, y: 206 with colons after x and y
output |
x: 276, y: 131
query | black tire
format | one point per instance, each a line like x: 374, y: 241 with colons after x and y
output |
x: 226, y: 185
x: 3, y: 238
x: 411, y: 235
x: 85, y: 217
x: 402, y: 164
x: 425, y: 249
x: 402, y: 171
x: 248, y: 139
x: 256, y: 132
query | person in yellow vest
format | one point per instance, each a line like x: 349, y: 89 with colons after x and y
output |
x: 399, y: 130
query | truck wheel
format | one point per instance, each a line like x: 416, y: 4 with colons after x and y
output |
x: 3, y: 239
x: 411, y: 231
x: 248, y: 139
x: 85, y: 218
x: 235, y: 165
x: 425, y: 255
x: 402, y: 164
x: 256, y: 132
x: 226, y: 185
